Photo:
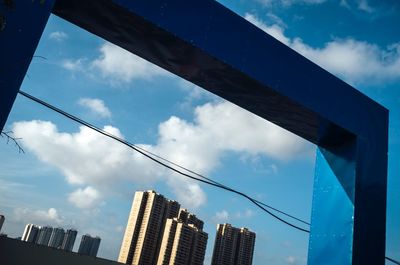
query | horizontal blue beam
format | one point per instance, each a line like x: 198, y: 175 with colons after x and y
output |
x: 209, y: 45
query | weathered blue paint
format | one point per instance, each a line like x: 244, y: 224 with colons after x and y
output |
x: 24, y: 22
x: 207, y: 44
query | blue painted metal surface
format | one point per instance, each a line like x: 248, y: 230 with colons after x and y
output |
x: 333, y: 208
x: 207, y: 44
x: 21, y: 25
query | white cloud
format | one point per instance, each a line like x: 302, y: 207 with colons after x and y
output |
x: 119, y: 229
x: 58, y: 35
x: 84, y: 157
x: 85, y: 198
x: 232, y: 128
x: 291, y: 260
x: 194, y: 94
x: 288, y: 3
x: 74, y: 65
x: 246, y: 214
x: 363, y: 5
x: 258, y: 165
x: 276, y: 20
x: 345, y: 4
x: 96, y: 106
x: 224, y: 216
x: 119, y: 65
x: 274, y: 168
x: 44, y: 217
x: 354, y: 61
x: 221, y: 217
x: 88, y: 158
x: 189, y: 194
x: 274, y: 30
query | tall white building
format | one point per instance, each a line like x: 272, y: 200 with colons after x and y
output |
x: 30, y: 233
x: 145, y: 228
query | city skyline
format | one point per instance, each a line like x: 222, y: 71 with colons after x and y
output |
x: 181, y: 240
x: 112, y: 89
x: 48, y: 236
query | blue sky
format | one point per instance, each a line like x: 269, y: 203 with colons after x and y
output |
x: 72, y: 177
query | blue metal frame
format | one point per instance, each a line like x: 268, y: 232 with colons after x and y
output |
x: 209, y: 45
x: 21, y: 25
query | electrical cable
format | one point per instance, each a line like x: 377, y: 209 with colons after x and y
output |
x: 392, y: 260
x: 139, y: 150
x: 218, y: 183
x: 202, y: 178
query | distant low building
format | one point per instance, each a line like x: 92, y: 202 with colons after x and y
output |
x: 2, y: 219
x: 49, y: 236
x: 69, y: 240
x: 30, y: 233
x: 89, y: 245
x: 56, y: 238
x: 44, y: 235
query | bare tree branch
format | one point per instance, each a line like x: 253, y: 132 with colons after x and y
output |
x: 11, y: 139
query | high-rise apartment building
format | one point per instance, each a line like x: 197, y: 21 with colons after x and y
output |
x: 30, y: 233
x: 69, y: 240
x: 190, y: 218
x: 2, y: 219
x: 89, y: 245
x: 56, y: 238
x: 183, y: 242
x: 44, y: 234
x: 233, y: 246
x: 146, y: 222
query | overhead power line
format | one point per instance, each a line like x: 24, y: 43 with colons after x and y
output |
x: 221, y: 185
x: 156, y: 158
x: 392, y: 260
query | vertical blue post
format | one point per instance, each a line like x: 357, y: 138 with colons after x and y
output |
x: 332, y: 217
x: 348, y: 220
x: 21, y: 25
x: 370, y: 193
